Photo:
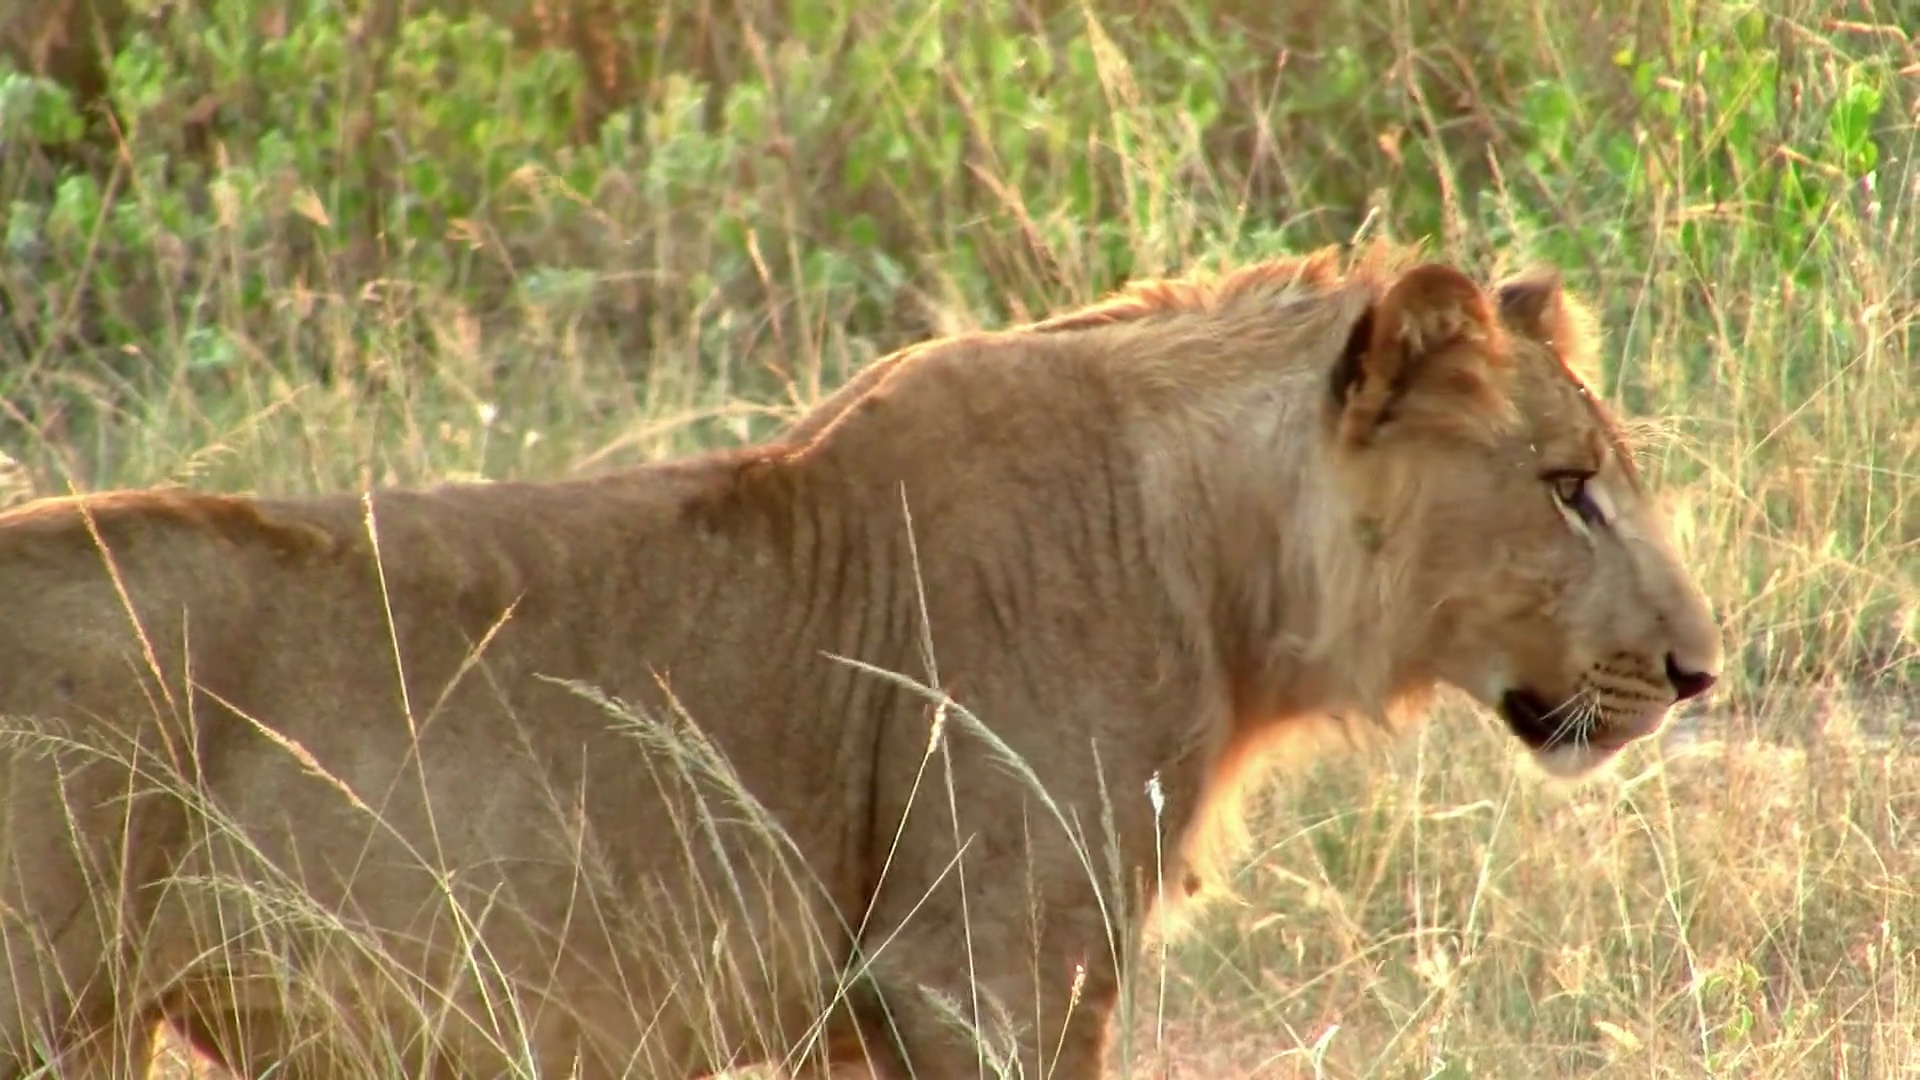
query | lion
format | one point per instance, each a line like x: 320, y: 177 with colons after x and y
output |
x: 878, y: 745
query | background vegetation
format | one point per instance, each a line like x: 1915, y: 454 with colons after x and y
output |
x: 301, y: 244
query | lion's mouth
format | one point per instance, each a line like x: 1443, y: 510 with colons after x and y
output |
x: 1543, y: 727
x: 1538, y: 724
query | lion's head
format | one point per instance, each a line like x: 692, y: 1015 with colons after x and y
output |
x: 1504, y: 502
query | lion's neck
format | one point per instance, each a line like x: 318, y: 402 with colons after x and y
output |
x: 1265, y: 555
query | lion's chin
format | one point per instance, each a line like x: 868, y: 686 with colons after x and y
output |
x: 1573, y: 761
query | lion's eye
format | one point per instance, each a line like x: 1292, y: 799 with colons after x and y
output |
x: 1571, y: 490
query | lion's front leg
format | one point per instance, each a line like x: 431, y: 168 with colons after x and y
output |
x: 1017, y: 871
x: 1018, y: 982
x: 1023, y: 1013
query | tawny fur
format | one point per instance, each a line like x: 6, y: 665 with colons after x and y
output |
x: 346, y: 778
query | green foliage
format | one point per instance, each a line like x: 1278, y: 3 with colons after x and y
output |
x: 274, y: 192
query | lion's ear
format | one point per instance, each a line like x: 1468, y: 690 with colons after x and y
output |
x: 1536, y: 305
x: 1426, y: 355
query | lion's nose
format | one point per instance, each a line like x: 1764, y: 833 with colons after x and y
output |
x: 1688, y: 684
